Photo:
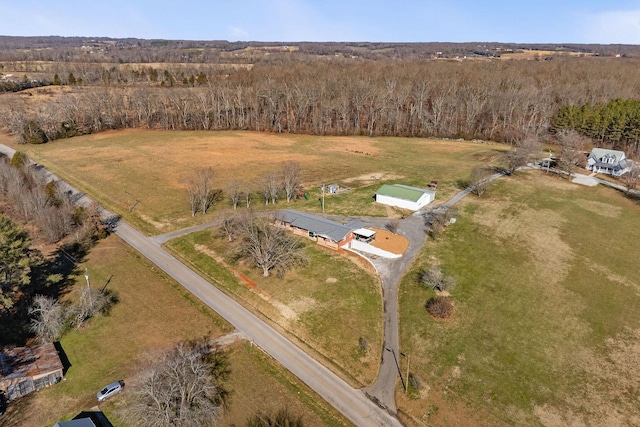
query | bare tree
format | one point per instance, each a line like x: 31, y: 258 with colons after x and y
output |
x: 479, y: 180
x: 270, y: 187
x: 437, y: 220
x: 184, y: 387
x: 269, y: 247
x: 572, y: 149
x: 200, y: 189
x: 229, y: 225
x: 48, y: 318
x: 434, y: 278
x: 248, y: 196
x: 522, y: 152
x: 234, y: 192
x: 92, y: 302
x: 291, y: 179
x: 631, y: 177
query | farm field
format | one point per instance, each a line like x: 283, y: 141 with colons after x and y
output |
x: 546, y: 323
x: 326, y: 306
x: 119, y: 167
x: 152, y: 314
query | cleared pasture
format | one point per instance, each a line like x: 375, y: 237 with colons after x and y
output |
x: 120, y: 167
x: 546, y: 325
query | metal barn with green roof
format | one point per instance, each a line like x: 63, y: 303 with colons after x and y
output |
x: 404, y: 196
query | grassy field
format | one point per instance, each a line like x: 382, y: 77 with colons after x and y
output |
x: 120, y: 167
x: 152, y: 314
x: 327, y: 305
x: 547, y: 310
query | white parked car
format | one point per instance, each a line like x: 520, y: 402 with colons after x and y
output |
x: 110, y: 390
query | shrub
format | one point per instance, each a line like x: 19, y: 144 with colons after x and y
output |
x: 440, y: 307
x: 19, y: 159
x: 415, y: 382
x: 363, y: 344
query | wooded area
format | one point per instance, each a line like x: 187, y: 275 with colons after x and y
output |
x: 268, y: 89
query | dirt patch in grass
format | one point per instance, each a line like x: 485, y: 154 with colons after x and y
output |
x: 371, y: 178
x: 600, y: 208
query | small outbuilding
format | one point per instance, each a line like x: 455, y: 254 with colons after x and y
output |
x: 27, y: 369
x: 364, y: 235
x: 611, y: 162
x: 404, y: 196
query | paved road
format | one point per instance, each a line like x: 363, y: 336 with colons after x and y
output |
x: 164, y: 238
x: 352, y: 403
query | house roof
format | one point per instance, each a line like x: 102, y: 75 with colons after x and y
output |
x: 404, y: 192
x: 20, y: 362
x: 80, y: 422
x: 315, y: 224
x: 599, y: 157
x: 599, y: 153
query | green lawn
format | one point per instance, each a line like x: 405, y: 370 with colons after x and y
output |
x: 119, y: 168
x: 547, y: 309
x: 328, y: 304
x: 154, y: 313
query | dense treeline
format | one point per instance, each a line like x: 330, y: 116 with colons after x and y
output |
x: 615, y: 124
x: 493, y: 100
x: 17, y: 86
x: 132, y: 50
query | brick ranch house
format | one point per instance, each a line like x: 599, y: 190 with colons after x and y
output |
x: 27, y: 369
x: 327, y: 233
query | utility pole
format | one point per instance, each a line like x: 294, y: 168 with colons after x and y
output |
x: 86, y: 276
x: 322, y: 198
x: 406, y: 387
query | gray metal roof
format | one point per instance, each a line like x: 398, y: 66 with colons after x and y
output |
x: 601, y: 156
x: 81, y: 422
x: 315, y: 224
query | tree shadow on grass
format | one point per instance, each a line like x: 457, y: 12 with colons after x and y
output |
x: 52, y: 277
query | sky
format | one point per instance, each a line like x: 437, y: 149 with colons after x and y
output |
x: 517, y: 21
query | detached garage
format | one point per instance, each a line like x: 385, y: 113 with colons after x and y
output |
x: 405, y: 197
